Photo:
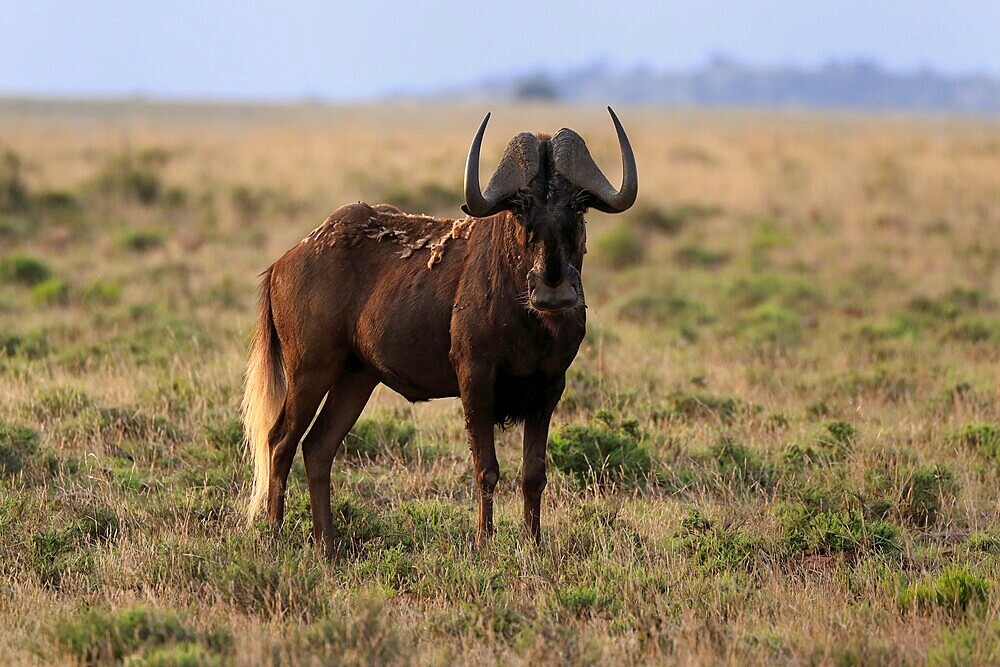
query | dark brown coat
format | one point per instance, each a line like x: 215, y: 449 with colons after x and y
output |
x: 490, y: 309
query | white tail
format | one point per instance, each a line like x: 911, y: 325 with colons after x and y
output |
x: 263, y: 395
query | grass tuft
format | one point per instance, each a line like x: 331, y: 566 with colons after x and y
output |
x: 620, y: 248
x: 954, y: 590
x: 608, y: 450
x: 18, y: 445
x: 23, y: 269
x: 141, y: 635
x: 381, y: 435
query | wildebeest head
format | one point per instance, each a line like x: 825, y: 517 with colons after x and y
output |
x: 548, y: 183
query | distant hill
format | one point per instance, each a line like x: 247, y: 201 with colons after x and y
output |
x: 861, y: 85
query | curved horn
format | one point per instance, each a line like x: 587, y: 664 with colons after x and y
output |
x: 474, y: 202
x: 517, y: 167
x: 572, y: 160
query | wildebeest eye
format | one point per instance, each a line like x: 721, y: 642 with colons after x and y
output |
x: 580, y: 202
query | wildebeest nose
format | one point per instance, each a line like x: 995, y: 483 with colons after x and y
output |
x: 544, y: 297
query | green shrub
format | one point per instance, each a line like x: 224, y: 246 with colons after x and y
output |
x: 964, y: 645
x: 660, y: 307
x: 184, y: 654
x: 23, y: 269
x: 693, y: 255
x: 175, y: 198
x: 975, y: 329
x: 954, y: 590
x: 813, y: 531
x: 51, y: 291
x: 694, y: 406
x: 604, y: 451
x: 899, y: 326
x: 769, y: 287
x: 57, y: 202
x: 620, y: 248
x: 951, y: 305
x: 31, y: 346
x: 18, y: 444
x: 665, y: 307
x: 226, y: 435
x: 766, y: 234
x: 771, y: 324
x: 694, y: 521
x: 982, y: 438
x: 578, y: 600
x: 102, y: 293
x: 841, y: 433
x: 381, y: 434
x: 655, y: 219
x: 669, y: 221
x: 986, y: 542
x: 970, y: 299
x: 133, y: 177
x: 106, y: 636
x: 837, y: 440
x: 140, y: 240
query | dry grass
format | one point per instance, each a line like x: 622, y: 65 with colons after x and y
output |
x: 807, y: 341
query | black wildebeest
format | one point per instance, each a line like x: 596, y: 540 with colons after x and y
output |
x: 489, y: 308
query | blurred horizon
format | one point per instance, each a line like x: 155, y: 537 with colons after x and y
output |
x: 314, y: 52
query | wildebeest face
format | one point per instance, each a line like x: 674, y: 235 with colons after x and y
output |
x: 548, y: 183
x: 554, y: 235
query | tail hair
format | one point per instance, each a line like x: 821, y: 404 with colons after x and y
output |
x: 264, y: 391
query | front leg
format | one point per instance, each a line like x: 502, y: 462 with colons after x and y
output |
x: 536, y: 436
x: 476, y: 383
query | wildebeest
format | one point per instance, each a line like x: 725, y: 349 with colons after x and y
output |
x: 489, y: 308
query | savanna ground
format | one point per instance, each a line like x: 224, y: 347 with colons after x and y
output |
x: 780, y: 442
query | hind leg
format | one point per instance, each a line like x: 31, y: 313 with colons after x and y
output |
x: 305, y: 392
x: 346, y: 400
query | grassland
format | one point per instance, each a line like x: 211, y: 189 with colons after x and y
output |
x: 780, y: 441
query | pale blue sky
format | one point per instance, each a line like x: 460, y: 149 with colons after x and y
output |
x: 335, y: 50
